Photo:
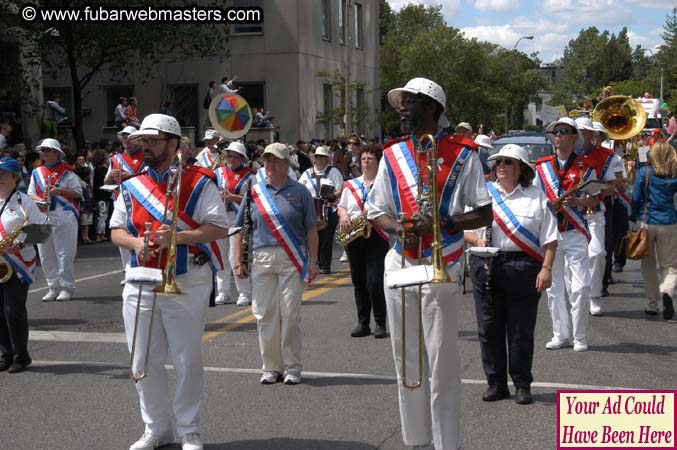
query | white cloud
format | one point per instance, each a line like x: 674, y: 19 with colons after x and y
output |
x: 449, y: 7
x: 496, y: 5
x: 658, y: 4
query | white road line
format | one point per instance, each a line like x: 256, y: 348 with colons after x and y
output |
x: 74, y: 336
x: 91, y: 277
x: 309, y: 374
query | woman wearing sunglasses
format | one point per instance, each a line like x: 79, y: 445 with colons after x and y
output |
x: 525, y: 231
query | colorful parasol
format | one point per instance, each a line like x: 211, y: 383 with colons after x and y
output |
x: 230, y: 115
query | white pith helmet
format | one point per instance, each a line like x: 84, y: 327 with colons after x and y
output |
x: 153, y: 124
x: 422, y: 86
x: 237, y: 147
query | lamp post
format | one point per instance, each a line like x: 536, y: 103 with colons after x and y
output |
x: 505, y: 115
x: 661, y: 67
x: 518, y: 41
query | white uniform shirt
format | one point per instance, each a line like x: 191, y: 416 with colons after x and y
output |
x: 202, y: 157
x: 209, y: 209
x: 12, y: 217
x: 333, y: 178
x: 530, y: 207
x: 348, y: 201
x: 60, y: 216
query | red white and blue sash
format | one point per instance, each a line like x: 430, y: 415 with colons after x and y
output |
x: 23, y: 268
x: 403, y: 174
x: 205, y: 158
x: 234, y: 181
x: 145, y: 202
x: 361, y: 196
x: 551, y: 186
x: 309, y: 174
x: 511, y: 226
x: 624, y: 200
x: 260, y: 176
x: 42, y: 175
x: 601, y: 158
x: 129, y: 163
x: 279, y: 228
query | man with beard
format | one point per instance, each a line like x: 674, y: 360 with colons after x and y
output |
x: 180, y: 319
x: 430, y: 414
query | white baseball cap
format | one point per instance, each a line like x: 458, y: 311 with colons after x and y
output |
x: 419, y: 86
x: 237, y: 147
x: 322, y: 150
x: 278, y: 150
x: 154, y: 124
x: 513, y: 151
x: 210, y: 133
x: 51, y: 143
x: 567, y: 121
x: 465, y: 125
x: 483, y: 141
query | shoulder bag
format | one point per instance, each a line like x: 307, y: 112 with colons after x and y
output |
x: 638, y: 241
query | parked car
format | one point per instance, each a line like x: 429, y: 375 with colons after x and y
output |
x: 535, y: 142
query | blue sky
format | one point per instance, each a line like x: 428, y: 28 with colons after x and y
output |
x: 553, y: 23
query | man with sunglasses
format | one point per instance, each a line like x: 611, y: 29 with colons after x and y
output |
x: 179, y: 323
x: 429, y: 415
x: 556, y: 175
x: 355, y: 149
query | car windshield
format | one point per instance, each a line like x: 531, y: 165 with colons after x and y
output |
x: 536, y: 151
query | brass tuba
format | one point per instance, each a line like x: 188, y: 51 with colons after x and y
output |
x: 428, y: 201
x: 622, y: 116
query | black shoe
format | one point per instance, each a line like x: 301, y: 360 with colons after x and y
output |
x: 495, y: 393
x: 5, y: 364
x: 380, y: 332
x: 325, y: 270
x: 650, y: 312
x: 605, y: 293
x: 617, y: 268
x: 18, y: 366
x: 361, y: 330
x: 668, y: 309
x: 523, y: 396
x: 611, y: 280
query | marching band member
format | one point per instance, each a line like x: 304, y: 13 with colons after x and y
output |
x: 525, y: 230
x: 602, y: 159
x: 556, y: 175
x: 180, y: 320
x: 232, y: 180
x: 365, y: 255
x: 281, y: 215
x: 56, y: 180
x: 432, y: 412
x: 313, y: 179
x: 14, y: 357
x: 209, y: 154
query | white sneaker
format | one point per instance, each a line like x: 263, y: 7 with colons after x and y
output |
x: 122, y: 282
x: 293, y: 377
x: 148, y: 441
x: 64, y: 295
x: 556, y: 344
x: 191, y: 441
x: 344, y: 257
x: 50, y: 296
x: 595, y: 306
x: 580, y: 347
x: 243, y: 300
x: 221, y: 299
x: 270, y: 377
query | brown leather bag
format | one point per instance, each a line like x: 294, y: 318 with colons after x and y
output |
x: 638, y: 241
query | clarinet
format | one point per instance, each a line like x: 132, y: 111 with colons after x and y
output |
x: 487, y: 265
x: 246, y: 226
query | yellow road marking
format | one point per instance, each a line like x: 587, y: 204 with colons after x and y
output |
x: 245, y: 315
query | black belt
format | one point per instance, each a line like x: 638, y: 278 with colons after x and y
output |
x: 509, y: 256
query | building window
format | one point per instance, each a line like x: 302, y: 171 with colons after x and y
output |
x: 253, y: 92
x: 184, y: 104
x: 248, y: 27
x: 342, y: 27
x: 326, y: 20
x: 358, y: 25
x: 328, y: 110
x: 113, y: 94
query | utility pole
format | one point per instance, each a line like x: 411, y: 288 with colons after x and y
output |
x: 347, y: 40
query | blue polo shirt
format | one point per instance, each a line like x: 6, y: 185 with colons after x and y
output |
x: 296, y: 206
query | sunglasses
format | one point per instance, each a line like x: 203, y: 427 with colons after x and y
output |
x: 506, y: 161
x: 353, y: 143
x: 562, y: 131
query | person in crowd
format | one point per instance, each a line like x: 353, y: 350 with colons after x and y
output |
x: 653, y: 206
x: 131, y: 112
x: 56, y: 184
x: 210, y: 153
x: 484, y: 143
x: 119, y: 113
x: 525, y: 231
x: 87, y: 200
x: 430, y: 415
x: 464, y: 129
x: 355, y: 149
x: 262, y: 118
x: 14, y: 356
x: 52, y: 115
x: 101, y: 197
x: 671, y: 129
x: 365, y: 254
x: 325, y: 184
x: 180, y: 319
x: 24, y: 177
x: 227, y: 86
x: 284, y: 258
x: 5, y: 131
x: 302, y: 156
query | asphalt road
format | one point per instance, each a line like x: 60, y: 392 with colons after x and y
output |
x: 77, y: 394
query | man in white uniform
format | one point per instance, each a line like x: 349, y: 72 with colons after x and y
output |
x: 430, y: 415
x: 181, y: 318
x: 210, y: 153
x: 56, y: 183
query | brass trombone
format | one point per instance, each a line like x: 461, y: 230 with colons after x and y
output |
x: 427, y: 201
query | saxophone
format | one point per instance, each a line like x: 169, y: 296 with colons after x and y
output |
x: 359, y: 227
x: 6, y: 270
x: 247, y: 226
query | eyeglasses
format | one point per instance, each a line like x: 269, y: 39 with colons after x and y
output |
x: 151, y: 141
x: 562, y: 131
x: 506, y: 161
x: 353, y: 143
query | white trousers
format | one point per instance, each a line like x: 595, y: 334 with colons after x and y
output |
x: 570, y: 274
x: 57, y: 253
x: 242, y: 285
x: 596, y: 253
x: 276, y: 303
x: 177, y: 330
x: 433, y: 411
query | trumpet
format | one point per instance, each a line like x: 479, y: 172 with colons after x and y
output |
x: 427, y: 201
x: 142, y: 375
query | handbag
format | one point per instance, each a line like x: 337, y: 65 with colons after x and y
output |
x: 638, y: 241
